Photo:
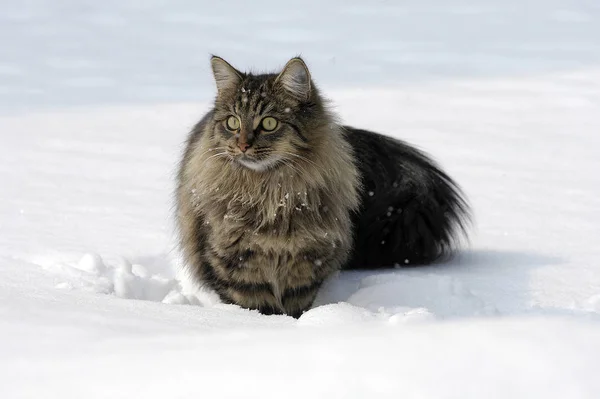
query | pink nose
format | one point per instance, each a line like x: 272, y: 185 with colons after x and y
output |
x: 243, y: 146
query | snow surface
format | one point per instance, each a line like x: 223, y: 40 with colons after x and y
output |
x: 96, y: 99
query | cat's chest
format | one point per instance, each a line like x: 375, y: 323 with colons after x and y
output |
x: 280, y: 222
x: 276, y: 223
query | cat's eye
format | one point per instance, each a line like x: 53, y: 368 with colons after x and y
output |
x: 269, y: 124
x: 233, y: 123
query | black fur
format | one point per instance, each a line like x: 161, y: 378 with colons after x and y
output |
x: 411, y: 211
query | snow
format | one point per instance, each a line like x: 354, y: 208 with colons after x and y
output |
x: 95, y: 102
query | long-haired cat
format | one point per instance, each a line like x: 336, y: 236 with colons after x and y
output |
x: 274, y: 195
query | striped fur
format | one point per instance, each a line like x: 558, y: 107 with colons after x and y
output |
x: 264, y: 228
x: 266, y: 239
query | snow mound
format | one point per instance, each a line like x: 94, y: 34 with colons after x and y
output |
x: 398, y: 291
x: 379, y: 297
x: 344, y: 313
x: 395, y: 296
x: 122, y: 278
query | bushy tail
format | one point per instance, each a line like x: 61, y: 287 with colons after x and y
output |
x: 431, y: 225
x: 412, y: 212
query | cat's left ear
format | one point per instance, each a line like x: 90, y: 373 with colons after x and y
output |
x: 295, y: 79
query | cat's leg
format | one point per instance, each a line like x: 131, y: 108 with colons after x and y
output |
x: 297, y: 300
x: 300, y: 281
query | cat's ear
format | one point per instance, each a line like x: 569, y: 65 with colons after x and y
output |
x: 295, y: 79
x: 225, y: 75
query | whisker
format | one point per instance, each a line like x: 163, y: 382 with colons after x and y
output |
x: 296, y: 163
x: 290, y: 165
x: 301, y: 157
x: 212, y: 149
x: 224, y: 154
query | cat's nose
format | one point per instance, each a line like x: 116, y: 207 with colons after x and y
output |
x: 243, y: 146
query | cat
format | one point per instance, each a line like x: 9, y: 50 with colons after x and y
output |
x: 274, y: 195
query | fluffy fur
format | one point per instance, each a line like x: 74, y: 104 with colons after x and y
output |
x: 266, y: 215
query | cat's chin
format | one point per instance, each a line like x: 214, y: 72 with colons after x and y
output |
x: 256, y: 165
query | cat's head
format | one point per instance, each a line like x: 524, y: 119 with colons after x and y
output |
x: 264, y: 121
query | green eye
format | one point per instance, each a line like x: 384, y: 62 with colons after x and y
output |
x: 233, y: 123
x: 269, y: 124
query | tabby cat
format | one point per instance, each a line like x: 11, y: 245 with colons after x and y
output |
x: 274, y: 195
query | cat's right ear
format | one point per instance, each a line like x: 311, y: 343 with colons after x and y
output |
x: 225, y: 75
x: 295, y: 78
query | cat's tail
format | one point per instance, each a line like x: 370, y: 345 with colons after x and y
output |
x: 419, y: 216
x: 432, y: 225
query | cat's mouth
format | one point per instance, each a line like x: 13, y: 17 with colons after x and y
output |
x: 258, y: 165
